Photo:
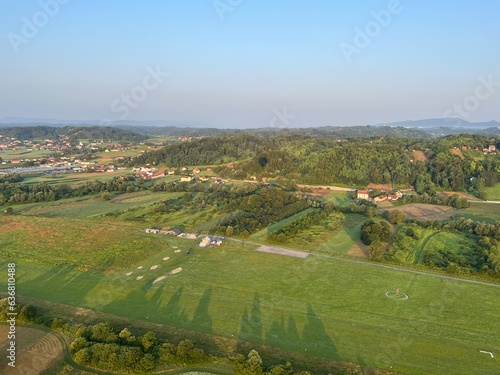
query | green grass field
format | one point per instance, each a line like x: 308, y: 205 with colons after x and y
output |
x: 316, y: 306
x: 67, y: 253
x: 493, y: 193
x: 92, y: 206
x: 480, y: 211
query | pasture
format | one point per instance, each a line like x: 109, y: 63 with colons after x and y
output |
x: 481, y: 211
x: 493, y: 192
x: 316, y: 306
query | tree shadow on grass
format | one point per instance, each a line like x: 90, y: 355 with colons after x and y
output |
x: 315, y: 339
x: 251, y: 323
x: 201, y: 318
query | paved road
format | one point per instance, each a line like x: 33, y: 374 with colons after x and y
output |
x: 369, y: 264
x: 487, y: 202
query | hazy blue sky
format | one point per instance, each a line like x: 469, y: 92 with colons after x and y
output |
x: 237, y: 63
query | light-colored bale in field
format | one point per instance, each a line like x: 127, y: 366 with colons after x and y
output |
x: 177, y: 251
x: 166, y: 258
x: 159, y: 279
x: 177, y: 270
x: 153, y: 267
x: 128, y: 273
x: 139, y: 277
x: 139, y: 268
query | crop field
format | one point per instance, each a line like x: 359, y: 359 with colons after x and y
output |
x: 23, y: 153
x: 36, y: 349
x: 421, y: 211
x: 315, y: 306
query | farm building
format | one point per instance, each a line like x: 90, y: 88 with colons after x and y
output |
x: 174, y: 232
x: 363, y: 194
x: 210, y: 241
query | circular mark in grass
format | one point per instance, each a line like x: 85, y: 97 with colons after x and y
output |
x: 397, y: 296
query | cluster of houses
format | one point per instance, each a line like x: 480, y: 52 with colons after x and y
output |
x: 381, y: 197
x: 207, y: 241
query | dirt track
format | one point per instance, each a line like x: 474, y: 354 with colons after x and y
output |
x: 280, y: 251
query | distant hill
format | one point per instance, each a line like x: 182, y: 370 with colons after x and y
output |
x: 74, y: 133
x: 444, y: 123
x: 428, y: 128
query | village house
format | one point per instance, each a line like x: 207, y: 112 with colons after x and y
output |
x: 363, y: 194
x: 196, y: 170
x: 186, y: 178
x: 170, y: 172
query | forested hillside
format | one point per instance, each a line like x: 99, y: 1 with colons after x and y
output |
x: 74, y: 133
x: 455, y: 162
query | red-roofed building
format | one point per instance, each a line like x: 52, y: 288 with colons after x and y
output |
x: 363, y: 194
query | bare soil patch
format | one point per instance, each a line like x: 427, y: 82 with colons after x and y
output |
x: 320, y: 192
x: 420, y: 156
x: 371, y: 185
x: 280, y: 251
x: 460, y: 195
x: 359, y: 249
x: 458, y: 152
x: 161, y: 278
x: 421, y: 211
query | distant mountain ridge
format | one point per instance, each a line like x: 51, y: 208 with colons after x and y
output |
x: 424, y: 123
x: 443, y: 123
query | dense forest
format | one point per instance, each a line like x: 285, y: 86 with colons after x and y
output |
x: 454, y: 163
x: 74, y: 133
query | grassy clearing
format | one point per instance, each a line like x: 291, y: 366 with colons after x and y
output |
x: 93, y: 206
x: 24, y: 153
x: 262, y: 234
x: 344, y: 238
x: 315, y: 306
x: 72, y: 179
x: 339, y: 197
x: 479, y: 211
x: 493, y: 192
x: 74, y: 243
